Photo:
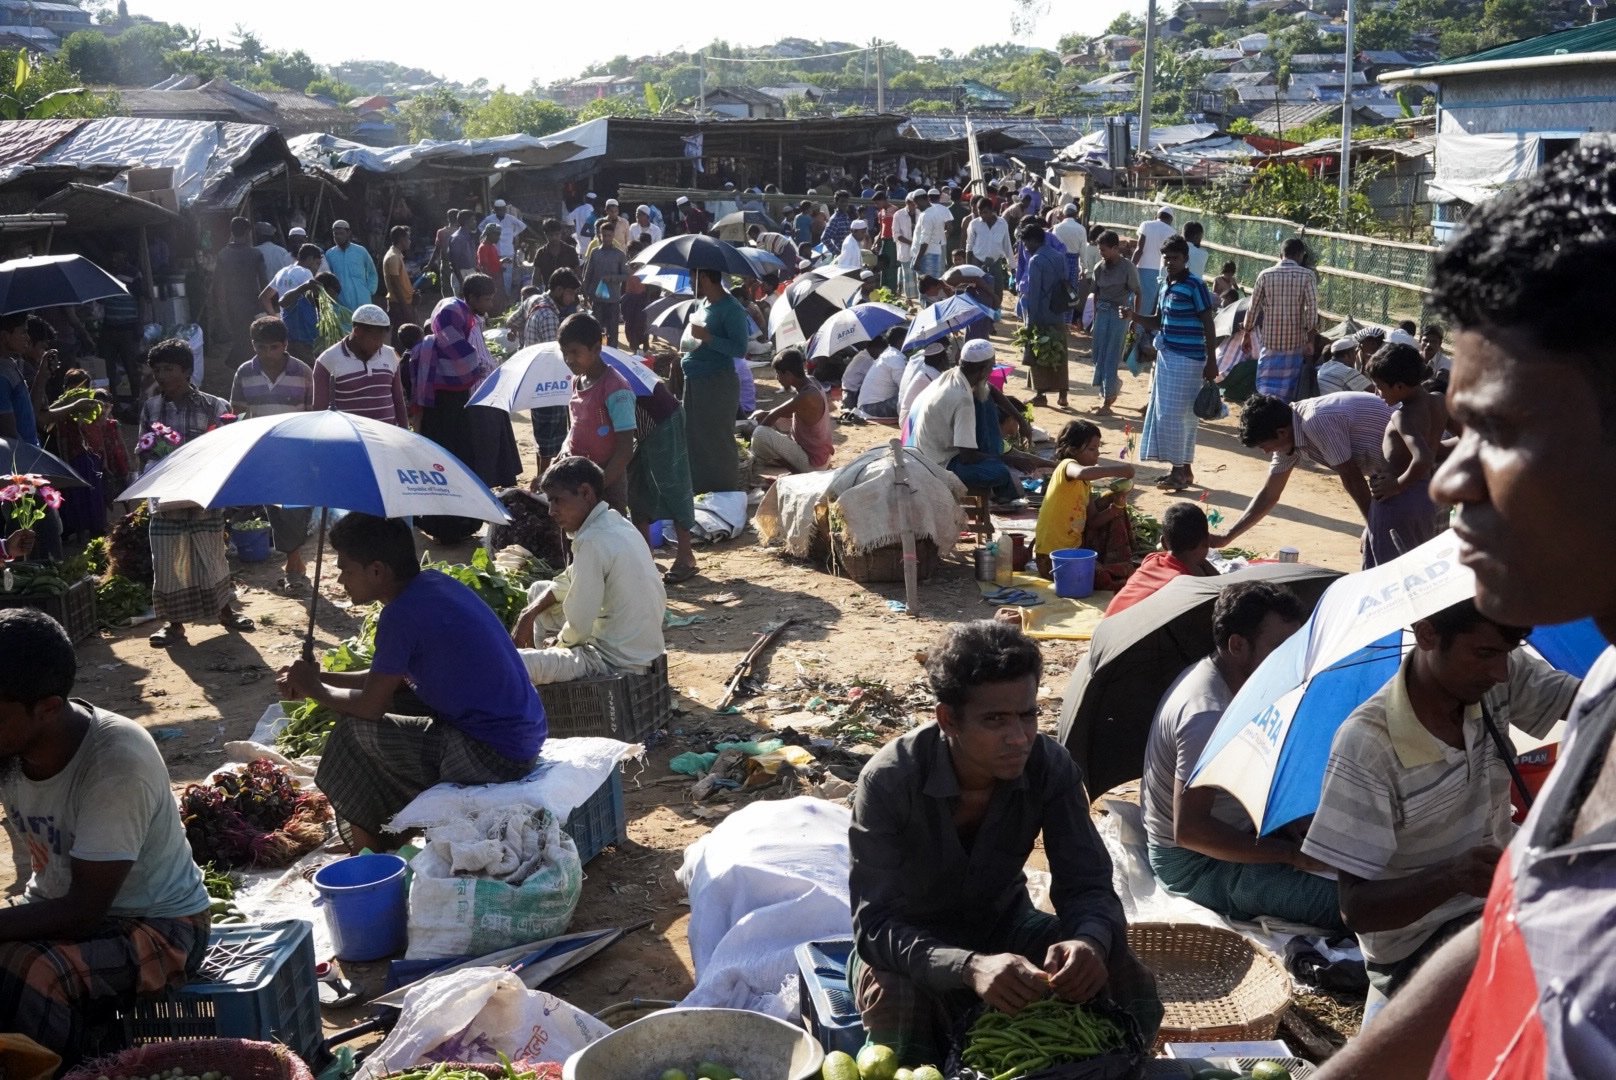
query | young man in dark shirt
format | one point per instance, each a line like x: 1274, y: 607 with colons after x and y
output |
x: 943, y: 822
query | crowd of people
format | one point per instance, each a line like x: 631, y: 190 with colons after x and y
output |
x: 1482, y: 938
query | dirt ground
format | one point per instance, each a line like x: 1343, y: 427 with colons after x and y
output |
x: 198, y: 696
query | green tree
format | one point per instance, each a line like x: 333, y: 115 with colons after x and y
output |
x: 45, y: 89
x: 91, y: 56
x: 245, y: 42
x: 436, y: 114
x: 295, y: 71
x: 927, y: 105
x: 505, y: 113
x: 611, y: 106
x: 1512, y: 20
x: 332, y: 88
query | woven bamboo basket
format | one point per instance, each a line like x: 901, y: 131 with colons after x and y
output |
x: 1215, y: 985
x: 239, y: 1059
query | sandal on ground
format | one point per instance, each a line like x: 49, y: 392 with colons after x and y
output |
x: 235, y: 620
x: 1040, y: 401
x: 170, y: 634
x: 676, y: 574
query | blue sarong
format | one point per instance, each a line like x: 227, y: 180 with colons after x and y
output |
x: 1279, y: 374
x: 1110, y: 332
x: 1171, y: 424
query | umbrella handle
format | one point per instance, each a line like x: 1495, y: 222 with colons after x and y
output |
x: 314, y: 598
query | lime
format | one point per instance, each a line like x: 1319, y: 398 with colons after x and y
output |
x: 877, y: 1062
x: 904, y: 1074
x: 927, y: 1072
x: 674, y: 1074
x: 712, y: 1070
x: 1269, y: 1070
x: 839, y: 1066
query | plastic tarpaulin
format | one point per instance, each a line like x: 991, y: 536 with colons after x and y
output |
x: 1474, y: 168
x: 328, y: 151
x: 201, y: 153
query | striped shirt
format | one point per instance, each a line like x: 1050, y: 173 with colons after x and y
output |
x: 1397, y: 800
x: 1335, y: 429
x: 255, y: 394
x: 1286, y: 299
x: 1181, y: 304
x: 363, y: 387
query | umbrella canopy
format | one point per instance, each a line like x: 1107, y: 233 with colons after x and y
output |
x: 666, y: 319
x: 17, y: 456
x: 855, y: 325
x: 943, y: 318
x: 764, y: 263
x: 696, y: 252
x: 967, y: 271
x: 332, y: 459
x: 1270, y: 749
x: 53, y: 281
x: 1230, y: 317
x: 734, y: 226
x: 1137, y: 654
x: 810, y: 301
x: 668, y: 280
x: 537, y: 377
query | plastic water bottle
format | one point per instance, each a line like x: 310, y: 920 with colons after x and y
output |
x: 1004, y: 570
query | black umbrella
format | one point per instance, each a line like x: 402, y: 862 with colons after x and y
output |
x: 734, y: 226
x: 1112, y: 695
x: 17, y: 456
x: 54, y: 281
x: 695, y: 252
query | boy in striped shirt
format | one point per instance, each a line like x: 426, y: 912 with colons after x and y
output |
x: 271, y: 383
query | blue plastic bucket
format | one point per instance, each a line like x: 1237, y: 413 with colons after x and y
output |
x: 661, y: 533
x: 1073, y: 572
x: 364, y: 901
x: 252, y: 545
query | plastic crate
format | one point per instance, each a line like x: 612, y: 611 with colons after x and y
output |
x: 74, y: 609
x: 825, y: 1004
x: 624, y: 707
x: 256, y: 982
x: 599, y: 822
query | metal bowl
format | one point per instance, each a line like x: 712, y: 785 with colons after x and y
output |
x: 755, y: 1046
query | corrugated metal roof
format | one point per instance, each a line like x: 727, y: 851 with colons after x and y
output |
x: 1593, y: 38
x: 22, y: 141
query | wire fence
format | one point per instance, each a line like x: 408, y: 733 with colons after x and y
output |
x: 1360, y: 277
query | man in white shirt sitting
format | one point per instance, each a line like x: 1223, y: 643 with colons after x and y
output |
x: 1340, y: 372
x: 922, y: 370
x: 605, y: 610
x: 878, y: 397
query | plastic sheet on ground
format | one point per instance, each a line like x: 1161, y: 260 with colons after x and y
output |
x: 270, y: 895
x: 568, y: 773
x: 772, y: 876
x: 1056, y: 618
x: 720, y: 515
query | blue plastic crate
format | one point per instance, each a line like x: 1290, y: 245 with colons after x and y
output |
x: 825, y: 1005
x: 600, y: 822
x: 256, y: 982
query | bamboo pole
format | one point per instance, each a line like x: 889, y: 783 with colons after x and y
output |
x: 903, y: 492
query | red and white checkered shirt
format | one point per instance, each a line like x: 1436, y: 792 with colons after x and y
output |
x: 1286, y: 299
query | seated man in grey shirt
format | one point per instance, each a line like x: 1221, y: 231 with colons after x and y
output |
x: 943, y: 822
x: 1203, y: 844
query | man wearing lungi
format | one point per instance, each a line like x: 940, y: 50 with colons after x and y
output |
x: 191, y: 575
x: 1284, y: 311
x: 114, y: 906
x: 1186, y: 359
x: 446, y: 697
x: 943, y: 821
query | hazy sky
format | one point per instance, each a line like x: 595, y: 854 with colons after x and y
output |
x: 515, y: 41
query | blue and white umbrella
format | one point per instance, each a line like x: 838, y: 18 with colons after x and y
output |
x: 855, y: 325
x: 669, y: 279
x: 943, y: 318
x: 328, y: 459
x: 537, y: 377
x: 1270, y: 749
x: 764, y: 263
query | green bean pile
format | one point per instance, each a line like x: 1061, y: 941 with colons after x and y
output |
x: 1045, y: 1033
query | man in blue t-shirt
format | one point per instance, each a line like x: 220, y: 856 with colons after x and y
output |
x: 473, y: 716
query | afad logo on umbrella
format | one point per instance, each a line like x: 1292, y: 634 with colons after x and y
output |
x: 1420, y: 581
x: 419, y: 481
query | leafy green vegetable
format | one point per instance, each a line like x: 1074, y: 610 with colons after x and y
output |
x: 117, y: 599
x: 504, y: 593
x: 1146, y: 530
